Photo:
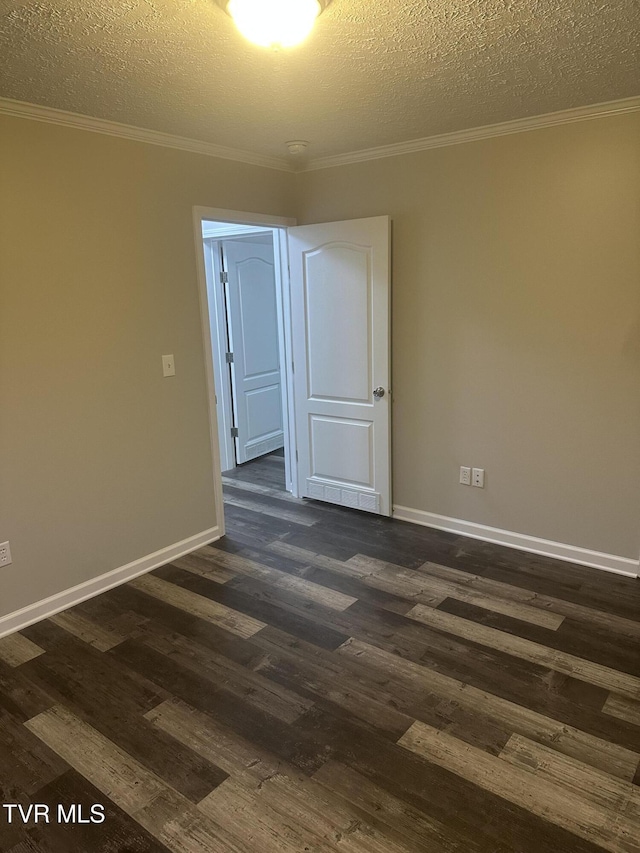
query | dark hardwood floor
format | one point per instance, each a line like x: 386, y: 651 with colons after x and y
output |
x: 321, y: 679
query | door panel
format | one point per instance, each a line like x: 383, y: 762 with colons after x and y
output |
x: 340, y: 317
x: 337, y: 275
x: 253, y: 334
x: 264, y: 412
x: 257, y: 304
x: 342, y: 450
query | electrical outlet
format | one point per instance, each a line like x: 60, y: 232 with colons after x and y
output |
x: 168, y: 366
x: 5, y: 554
x: 477, y: 478
x: 465, y: 475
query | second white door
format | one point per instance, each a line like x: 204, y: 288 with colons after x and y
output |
x: 253, y: 345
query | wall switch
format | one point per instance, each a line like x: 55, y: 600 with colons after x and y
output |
x: 168, y: 366
x: 465, y: 475
x: 5, y: 554
x: 477, y: 478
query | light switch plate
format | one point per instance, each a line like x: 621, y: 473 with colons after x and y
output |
x: 168, y: 366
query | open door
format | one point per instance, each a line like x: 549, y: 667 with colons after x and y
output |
x: 254, y: 348
x: 340, y: 276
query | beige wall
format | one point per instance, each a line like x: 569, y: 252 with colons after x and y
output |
x: 102, y: 461
x: 516, y: 325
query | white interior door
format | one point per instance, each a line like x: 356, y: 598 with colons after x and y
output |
x: 253, y: 340
x: 340, y: 319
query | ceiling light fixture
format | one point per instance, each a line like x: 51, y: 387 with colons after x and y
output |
x: 274, y: 23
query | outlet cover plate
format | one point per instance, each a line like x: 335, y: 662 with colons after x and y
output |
x: 477, y: 478
x: 5, y: 554
x: 465, y: 475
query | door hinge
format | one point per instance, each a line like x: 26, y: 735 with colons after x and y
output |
x: 296, y: 455
x: 224, y: 277
x: 234, y: 432
x: 229, y: 358
x: 293, y: 367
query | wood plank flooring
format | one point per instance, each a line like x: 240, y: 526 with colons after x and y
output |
x: 324, y: 680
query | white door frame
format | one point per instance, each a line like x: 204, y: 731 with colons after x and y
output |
x: 208, y: 323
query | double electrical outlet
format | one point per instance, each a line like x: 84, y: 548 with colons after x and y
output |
x: 5, y: 554
x: 472, y: 476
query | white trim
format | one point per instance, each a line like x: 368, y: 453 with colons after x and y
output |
x: 216, y: 230
x: 22, y: 109
x: 20, y: 619
x: 281, y: 253
x: 520, y: 541
x: 205, y: 319
x: 241, y: 217
x: 457, y: 137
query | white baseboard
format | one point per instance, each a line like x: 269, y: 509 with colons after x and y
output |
x: 520, y: 541
x: 69, y: 597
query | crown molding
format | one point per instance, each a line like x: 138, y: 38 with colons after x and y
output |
x: 22, y: 109
x: 609, y: 108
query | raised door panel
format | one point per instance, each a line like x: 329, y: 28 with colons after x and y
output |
x: 337, y: 282
x: 259, y: 319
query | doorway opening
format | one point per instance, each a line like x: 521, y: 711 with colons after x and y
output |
x: 247, y: 295
x: 332, y: 298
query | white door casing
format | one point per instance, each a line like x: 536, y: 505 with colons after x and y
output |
x: 340, y: 289
x: 253, y: 340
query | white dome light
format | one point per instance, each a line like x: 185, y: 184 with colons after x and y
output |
x: 275, y: 23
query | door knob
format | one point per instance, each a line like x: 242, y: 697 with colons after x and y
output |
x: 378, y: 392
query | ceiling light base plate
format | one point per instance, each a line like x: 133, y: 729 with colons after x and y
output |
x: 322, y: 3
x: 297, y: 146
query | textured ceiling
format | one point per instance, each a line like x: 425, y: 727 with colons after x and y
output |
x: 374, y: 72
